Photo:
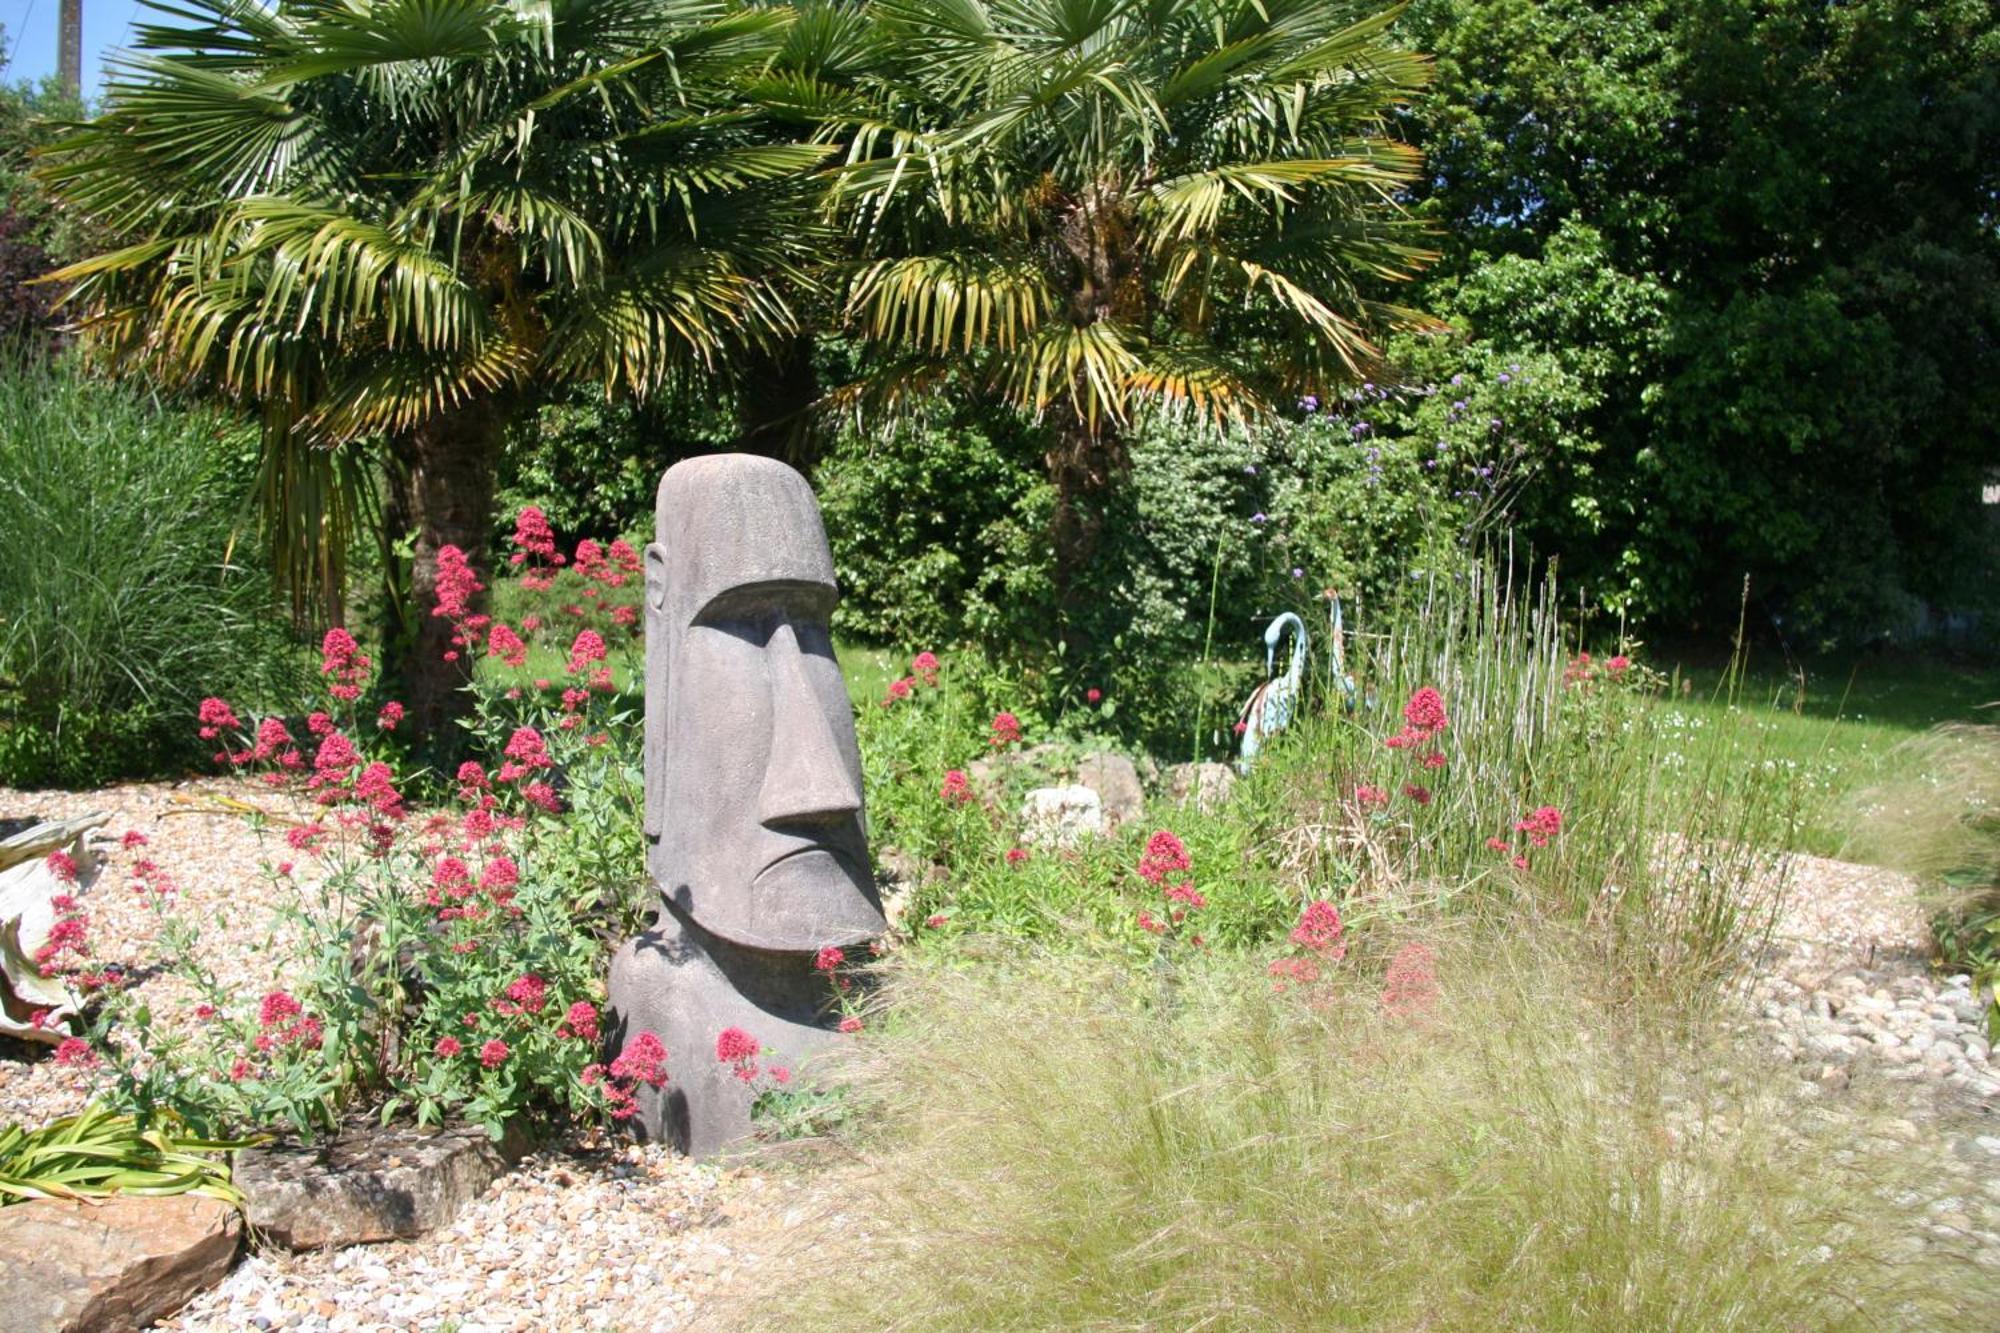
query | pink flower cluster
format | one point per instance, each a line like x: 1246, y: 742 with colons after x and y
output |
x: 1006, y: 730
x: 1581, y: 670
x: 342, y: 660
x: 285, y: 1023
x: 924, y: 669
x: 957, y: 788
x: 1424, y: 721
x: 1321, y: 935
x: 1542, y: 825
x: 1410, y: 987
x: 1166, y: 855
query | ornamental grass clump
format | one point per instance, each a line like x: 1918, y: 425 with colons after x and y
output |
x: 1445, y: 1131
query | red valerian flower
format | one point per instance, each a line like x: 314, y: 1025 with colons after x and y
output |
x: 542, y: 795
x: 1016, y: 855
x: 62, y: 865
x: 1520, y: 863
x: 1618, y: 665
x: 342, y: 659
x: 924, y: 666
x: 277, y: 1007
x: 530, y: 992
x: 1367, y: 795
x: 1410, y: 987
x: 217, y: 716
x: 957, y: 789
x: 456, y: 586
x: 76, y: 1053
x: 588, y: 647
x: 1151, y: 924
x: 502, y: 642
x: 937, y: 920
x: 850, y: 1024
x: 1435, y: 759
x: 376, y: 785
x: 1299, y: 971
x: 500, y: 873
x: 525, y: 752
x: 1165, y: 854
x: 898, y: 689
x: 734, y: 1045
x: 1185, y: 893
x: 1092, y: 695
x: 780, y: 1075
x: 1425, y: 712
x: 448, y: 1047
x: 390, y: 717
x: 133, y: 838
x: 580, y: 1022
x: 644, y: 1060
x: 533, y: 535
x: 494, y: 1053
x: 1006, y: 729
x: 1320, y: 929
x: 828, y: 959
x: 1421, y: 795
x: 1499, y: 845
x: 1541, y: 825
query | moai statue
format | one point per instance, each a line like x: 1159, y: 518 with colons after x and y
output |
x: 753, y: 813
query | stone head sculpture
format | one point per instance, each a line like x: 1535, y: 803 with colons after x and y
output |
x: 753, y: 817
x: 753, y: 780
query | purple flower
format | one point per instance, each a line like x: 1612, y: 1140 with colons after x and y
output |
x: 1505, y: 378
x: 1250, y: 468
x: 1457, y: 380
x: 1310, y: 403
x: 1458, y: 406
x: 1298, y: 573
x: 1259, y: 517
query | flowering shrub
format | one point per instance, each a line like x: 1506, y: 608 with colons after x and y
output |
x: 443, y: 961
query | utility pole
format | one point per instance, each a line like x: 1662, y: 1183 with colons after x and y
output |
x: 69, y: 47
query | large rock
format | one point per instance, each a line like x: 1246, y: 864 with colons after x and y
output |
x: 1116, y: 781
x: 367, y: 1184
x: 1206, y: 786
x: 1061, y: 816
x: 119, y: 1263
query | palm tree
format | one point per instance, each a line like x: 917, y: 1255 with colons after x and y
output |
x: 1096, y: 204
x: 391, y: 223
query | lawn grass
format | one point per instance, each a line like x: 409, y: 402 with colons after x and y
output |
x: 1836, y: 722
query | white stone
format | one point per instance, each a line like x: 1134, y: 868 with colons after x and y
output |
x: 1061, y: 816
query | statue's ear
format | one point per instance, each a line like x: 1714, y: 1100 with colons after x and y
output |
x: 656, y: 690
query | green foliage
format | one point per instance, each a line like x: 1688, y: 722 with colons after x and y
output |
x: 592, y: 464
x: 1343, y: 809
x: 94, y: 1154
x: 1090, y: 208
x: 122, y: 603
x: 1059, y: 1144
x: 448, y: 966
x: 1761, y: 236
x: 409, y: 218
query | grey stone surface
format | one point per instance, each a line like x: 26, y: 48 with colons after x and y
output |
x: 1061, y: 816
x: 118, y: 1263
x: 1206, y: 786
x: 753, y: 791
x: 368, y: 1183
x: 1115, y: 779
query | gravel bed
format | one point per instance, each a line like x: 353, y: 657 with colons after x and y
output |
x: 198, y: 836
x: 1845, y: 992
x: 600, y: 1234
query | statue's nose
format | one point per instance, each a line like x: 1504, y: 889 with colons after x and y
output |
x: 807, y: 780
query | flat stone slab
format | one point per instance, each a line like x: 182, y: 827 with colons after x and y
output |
x: 367, y: 1184
x: 113, y: 1264
x: 1061, y: 816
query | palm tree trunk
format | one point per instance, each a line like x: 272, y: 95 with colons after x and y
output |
x: 445, y: 498
x: 774, y: 414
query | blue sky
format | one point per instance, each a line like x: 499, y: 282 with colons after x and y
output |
x: 30, y: 27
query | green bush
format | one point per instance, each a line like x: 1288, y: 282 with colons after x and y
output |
x: 121, y: 604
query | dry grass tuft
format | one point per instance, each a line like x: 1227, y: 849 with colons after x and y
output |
x: 1061, y: 1145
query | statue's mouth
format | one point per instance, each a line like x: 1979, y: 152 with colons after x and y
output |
x: 842, y: 863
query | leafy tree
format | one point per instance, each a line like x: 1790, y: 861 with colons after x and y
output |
x: 400, y: 222
x: 1765, y: 229
x: 1083, y: 206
